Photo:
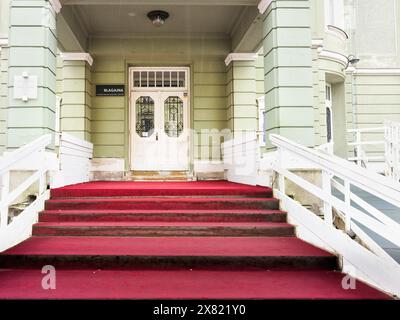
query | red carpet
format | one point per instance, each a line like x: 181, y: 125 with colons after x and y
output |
x: 126, y: 188
x: 162, y: 203
x: 170, y: 240
x: 182, y: 284
x: 209, y: 246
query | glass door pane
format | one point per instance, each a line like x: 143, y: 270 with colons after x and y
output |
x: 145, y: 117
x: 173, y: 116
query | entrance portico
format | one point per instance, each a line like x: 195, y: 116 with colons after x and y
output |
x: 231, y: 53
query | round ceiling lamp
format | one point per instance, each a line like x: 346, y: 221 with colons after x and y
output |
x: 158, y: 17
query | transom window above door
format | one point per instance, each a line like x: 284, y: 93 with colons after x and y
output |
x: 159, y: 78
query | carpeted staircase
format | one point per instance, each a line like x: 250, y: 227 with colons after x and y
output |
x: 171, y: 240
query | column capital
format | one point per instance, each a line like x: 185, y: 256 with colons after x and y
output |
x: 263, y: 5
x: 77, y: 56
x: 56, y: 4
x: 240, y: 57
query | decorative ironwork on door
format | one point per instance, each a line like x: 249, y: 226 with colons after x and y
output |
x: 145, y: 117
x: 173, y: 116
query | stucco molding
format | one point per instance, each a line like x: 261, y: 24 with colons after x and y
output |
x: 56, y: 4
x: 3, y: 42
x: 263, y: 5
x: 338, y: 32
x: 317, y: 44
x: 77, y: 56
x: 335, y: 56
x: 377, y: 71
x: 240, y: 57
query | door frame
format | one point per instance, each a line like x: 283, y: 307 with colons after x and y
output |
x: 132, y: 89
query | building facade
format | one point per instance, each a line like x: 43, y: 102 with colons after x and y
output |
x: 164, y: 98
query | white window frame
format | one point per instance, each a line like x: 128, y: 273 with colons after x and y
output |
x: 57, y: 127
x: 328, y: 106
x: 186, y: 70
x: 261, y: 119
x: 334, y: 14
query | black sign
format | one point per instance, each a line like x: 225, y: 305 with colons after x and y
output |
x: 110, y: 90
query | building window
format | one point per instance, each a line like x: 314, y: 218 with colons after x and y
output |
x: 334, y: 13
x: 328, y: 105
x: 159, y: 79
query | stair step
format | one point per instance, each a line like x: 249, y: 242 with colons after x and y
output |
x: 163, y: 203
x: 163, y: 215
x: 126, y: 188
x: 167, y: 252
x: 183, y: 284
x: 154, y: 229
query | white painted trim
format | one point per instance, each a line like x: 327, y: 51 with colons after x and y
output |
x: 56, y: 5
x: 77, y: 56
x: 108, y: 164
x: 263, y: 5
x: 317, y: 43
x: 338, y: 32
x: 335, y: 56
x: 240, y: 57
x: 377, y: 71
x: 3, y: 42
x: 160, y: 69
x: 207, y: 166
x: 133, y: 90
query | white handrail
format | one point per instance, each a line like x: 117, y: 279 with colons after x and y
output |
x: 10, y: 159
x: 19, y: 228
x: 334, y: 169
x: 372, y: 182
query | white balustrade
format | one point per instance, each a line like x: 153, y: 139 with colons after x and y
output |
x: 374, y: 264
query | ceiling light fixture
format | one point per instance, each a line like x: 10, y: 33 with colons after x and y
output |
x: 158, y: 17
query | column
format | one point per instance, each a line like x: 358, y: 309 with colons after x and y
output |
x: 31, y: 70
x: 288, y: 70
x: 241, y: 92
x: 76, y: 95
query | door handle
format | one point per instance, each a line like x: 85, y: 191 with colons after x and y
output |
x: 156, y: 136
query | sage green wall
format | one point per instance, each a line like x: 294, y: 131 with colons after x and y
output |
x: 4, y: 31
x: 375, y: 41
x: 259, y: 63
x: 3, y: 95
x: 76, y: 99
x: 59, y: 75
x: 110, y: 122
x: 377, y: 98
x: 4, y: 18
x: 209, y: 103
x: 33, y: 49
x: 241, y: 96
x: 288, y: 71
